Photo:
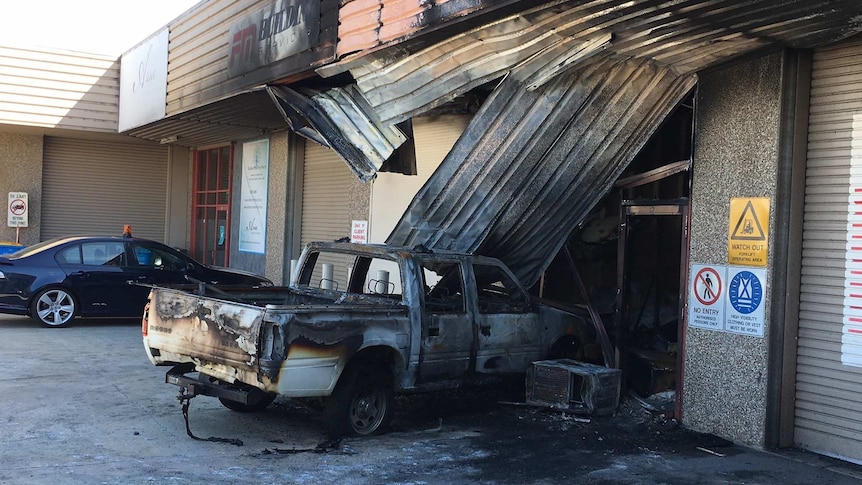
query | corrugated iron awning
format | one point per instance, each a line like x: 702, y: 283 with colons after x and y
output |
x: 341, y: 120
x: 244, y: 116
x: 532, y: 163
x: 687, y: 35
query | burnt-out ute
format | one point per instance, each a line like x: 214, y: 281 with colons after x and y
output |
x: 358, y: 324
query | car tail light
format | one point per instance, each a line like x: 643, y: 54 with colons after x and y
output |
x: 145, y: 320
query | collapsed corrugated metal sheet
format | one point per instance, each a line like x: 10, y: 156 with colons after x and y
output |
x: 689, y: 35
x: 341, y: 120
x: 531, y: 164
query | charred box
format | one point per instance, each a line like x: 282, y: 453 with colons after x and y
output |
x: 573, y: 385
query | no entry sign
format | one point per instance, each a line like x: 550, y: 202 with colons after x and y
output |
x: 706, y: 289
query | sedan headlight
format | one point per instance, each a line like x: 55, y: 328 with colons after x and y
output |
x: 2, y: 276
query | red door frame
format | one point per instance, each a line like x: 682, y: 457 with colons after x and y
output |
x: 205, y: 198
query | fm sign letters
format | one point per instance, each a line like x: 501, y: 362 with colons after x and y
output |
x: 278, y: 31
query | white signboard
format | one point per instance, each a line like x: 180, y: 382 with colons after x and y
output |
x: 253, y: 197
x: 746, y: 292
x: 707, y: 286
x: 359, y: 232
x: 18, y: 209
x: 144, y: 82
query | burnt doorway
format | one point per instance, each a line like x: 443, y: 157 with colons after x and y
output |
x: 211, y: 198
x: 651, y: 279
x: 630, y: 252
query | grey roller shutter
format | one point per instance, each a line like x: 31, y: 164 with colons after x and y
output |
x: 95, y: 187
x: 829, y: 391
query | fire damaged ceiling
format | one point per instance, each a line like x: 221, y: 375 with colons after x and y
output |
x: 584, y: 85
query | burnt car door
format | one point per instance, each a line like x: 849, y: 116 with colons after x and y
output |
x: 509, y: 334
x: 448, y: 334
x: 96, y: 275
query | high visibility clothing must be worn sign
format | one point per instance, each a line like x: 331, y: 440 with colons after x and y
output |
x: 18, y: 209
x: 745, y: 297
x: 705, y: 301
x: 748, y: 238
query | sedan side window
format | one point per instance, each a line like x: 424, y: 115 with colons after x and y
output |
x: 157, y: 258
x: 97, y: 254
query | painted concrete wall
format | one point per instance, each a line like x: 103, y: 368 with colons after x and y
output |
x: 735, y: 155
x: 21, y: 171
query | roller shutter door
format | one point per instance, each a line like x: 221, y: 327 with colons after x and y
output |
x: 829, y: 365
x: 95, y: 187
x: 325, y: 199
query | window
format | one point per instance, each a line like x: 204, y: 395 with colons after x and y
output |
x: 444, y: 289
x: 94, y: 254
x: 497, y: 292
x: 211, y: 200
x: 155, y: 257
x: 346, y: 273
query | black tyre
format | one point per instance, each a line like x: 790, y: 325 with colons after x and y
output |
x: 260, y: 404
x: 361, y: 403
x: 567, y: 348
x: 53, y: 307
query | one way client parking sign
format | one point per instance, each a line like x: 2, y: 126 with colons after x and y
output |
x: 18, y: 207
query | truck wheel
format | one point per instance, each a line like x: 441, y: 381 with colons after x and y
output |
x: 567, y: 348
x: 261, y: 404
x: 53, y: 307
x: 361, y: 403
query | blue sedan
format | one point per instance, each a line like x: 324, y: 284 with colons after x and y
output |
x: 84, y: 276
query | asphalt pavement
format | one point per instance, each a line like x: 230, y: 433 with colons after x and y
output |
x: 84, y: 405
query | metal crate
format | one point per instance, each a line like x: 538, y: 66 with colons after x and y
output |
x: 572, y: 385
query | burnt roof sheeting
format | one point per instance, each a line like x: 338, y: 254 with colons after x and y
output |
x: 689, y: 35
x: 341, y: 120
x: 531, y: 164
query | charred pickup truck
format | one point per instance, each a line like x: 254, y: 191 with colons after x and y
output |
x: 359, y: 323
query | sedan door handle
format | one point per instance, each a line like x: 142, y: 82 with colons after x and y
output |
x: 486, y: 330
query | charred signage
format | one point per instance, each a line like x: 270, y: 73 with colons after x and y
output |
x: 280, y: 30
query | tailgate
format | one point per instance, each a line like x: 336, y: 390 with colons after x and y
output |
x: 213, y: 331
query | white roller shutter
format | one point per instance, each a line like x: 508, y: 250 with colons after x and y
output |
x: 392, y: 192
x: 829, y: 367
x: 95, y: 187
x: 325, y: 199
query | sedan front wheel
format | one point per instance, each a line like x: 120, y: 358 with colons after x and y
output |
x: 53, y: 307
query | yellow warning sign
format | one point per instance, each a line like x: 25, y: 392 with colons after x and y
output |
x: 748, y: 240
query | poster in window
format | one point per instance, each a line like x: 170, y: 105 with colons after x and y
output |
x: 253, y: 197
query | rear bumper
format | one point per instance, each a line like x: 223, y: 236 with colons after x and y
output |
x: 202, y: 385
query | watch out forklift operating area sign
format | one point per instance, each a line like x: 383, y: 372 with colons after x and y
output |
x: 748, y: 235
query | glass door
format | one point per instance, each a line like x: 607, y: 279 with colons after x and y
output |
x: 211, y: 205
